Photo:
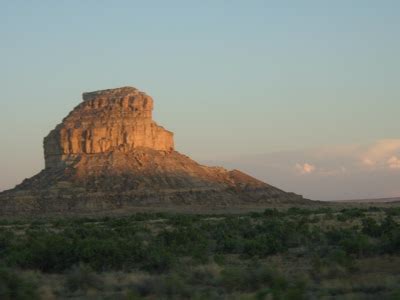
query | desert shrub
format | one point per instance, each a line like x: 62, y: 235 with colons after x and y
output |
x: 335, y: 235
x: 182, y: 220
x: 314, y: 219
x: 59, y: 223
x: 100, y: 248
x: 128, y: 243
x: 251, y: 278
x: 371, y: 227
x: 352, y: 213
x: 272, y: 212
x: 388, y: 225
x: 266, y: 236
x: 44, y: 251
x: 395, y: 295
x: 120, y: 222
x: 186, y: 241
x: 13, y: 287
x: 296, y: 291
x: 350, y: 240
x: 263, y: 245
x: 145, y: 216
x: 173, y: 286
x: 391, y: 242
x: 80, y: 221
x: 228, y: 234
x: 37, y: 223
x: 323, y: 210
x: 5, y: 222
x: 357, y: 244
x: 219, y: 259
x: 142, y: 288
x: 342, y: 217
x: 342, y: 258
x: 255, y: 215
x: 82, y: 278
x: 202, y: 275
x: 299, y: 211
x: 329, y: 216
x: 157, y: 258
x: 170, y: 286
x: 264, y: 280
x: 374, y: 209
x: 231, y: 244
x: 102, y: 254
x: 393, y: 211
x: 6, y: 239
x: 390, y: 236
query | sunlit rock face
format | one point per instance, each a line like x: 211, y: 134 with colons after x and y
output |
x: 108, y: 120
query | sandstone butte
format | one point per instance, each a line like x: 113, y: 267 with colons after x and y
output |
x: 109, y: 154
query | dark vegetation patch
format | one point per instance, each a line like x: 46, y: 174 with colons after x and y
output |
x: 273, y: 254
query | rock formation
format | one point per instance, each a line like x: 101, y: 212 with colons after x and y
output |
x: 108, y: 153
x: 106, y: 121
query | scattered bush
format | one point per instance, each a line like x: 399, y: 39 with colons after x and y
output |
x: 82, y: 278
x: 371, y: 227
x: 173, y: 248
x: 13, y: 287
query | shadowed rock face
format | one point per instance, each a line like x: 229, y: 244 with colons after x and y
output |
x: 108, y: 153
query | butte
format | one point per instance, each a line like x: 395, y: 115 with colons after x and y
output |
x: 109, y: 154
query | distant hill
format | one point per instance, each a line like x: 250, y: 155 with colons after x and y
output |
x: 377, y: 200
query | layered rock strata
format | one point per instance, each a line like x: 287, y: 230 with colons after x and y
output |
x: 107, y: 121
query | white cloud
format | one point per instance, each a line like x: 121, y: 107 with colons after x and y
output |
x: 352, y: 171
x: 305, y: 168
x: 393, y: 162
x: 368, y: 162
x: 382, y: 153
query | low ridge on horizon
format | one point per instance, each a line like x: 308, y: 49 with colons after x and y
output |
x: 108, y: 153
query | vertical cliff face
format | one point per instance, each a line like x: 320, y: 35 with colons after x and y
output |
x: 118, y: 119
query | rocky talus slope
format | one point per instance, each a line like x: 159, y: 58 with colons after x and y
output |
x: 108, y: 153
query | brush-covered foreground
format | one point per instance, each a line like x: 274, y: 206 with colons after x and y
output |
x: 321, y: 253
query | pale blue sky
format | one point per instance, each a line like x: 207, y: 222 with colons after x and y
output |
x: 230, y: 78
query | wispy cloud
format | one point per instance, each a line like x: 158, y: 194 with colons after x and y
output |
x: 382, y: 154
x: 394, y: 162
x: 305, y: 168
